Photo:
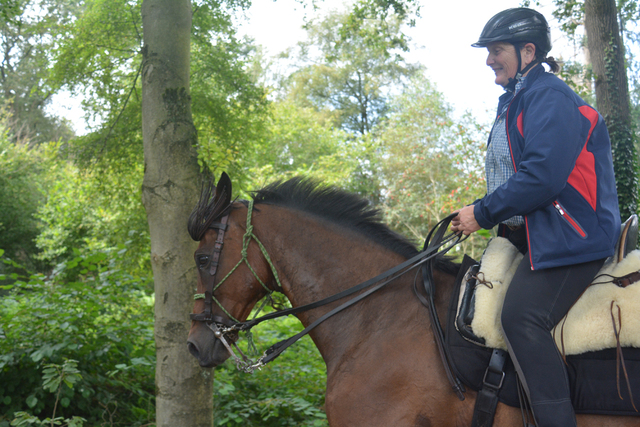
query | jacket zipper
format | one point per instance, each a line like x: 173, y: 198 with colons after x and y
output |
x: 515, y: 169
x: 572, y: 222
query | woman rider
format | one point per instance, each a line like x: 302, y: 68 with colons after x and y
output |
x: 551, y: 191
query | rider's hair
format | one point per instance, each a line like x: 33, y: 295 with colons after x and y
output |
x: 552, y: 63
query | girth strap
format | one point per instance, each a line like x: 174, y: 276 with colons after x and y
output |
x: 487, y: 399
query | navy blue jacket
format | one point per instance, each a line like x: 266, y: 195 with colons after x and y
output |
x: 564, y: 184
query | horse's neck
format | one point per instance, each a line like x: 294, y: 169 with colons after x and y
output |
x: 316, y: 260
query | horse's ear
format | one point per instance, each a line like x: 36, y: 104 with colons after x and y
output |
x: 223, y: 190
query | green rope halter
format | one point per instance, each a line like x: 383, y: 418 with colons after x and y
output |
x: 246, y: 239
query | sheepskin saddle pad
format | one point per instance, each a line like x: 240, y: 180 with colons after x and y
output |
x: 606, y: 316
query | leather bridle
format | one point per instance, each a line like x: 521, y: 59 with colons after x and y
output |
x: 213, y: 262
x: 221, y: 326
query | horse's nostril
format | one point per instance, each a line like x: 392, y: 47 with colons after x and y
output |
x: 193, y: 349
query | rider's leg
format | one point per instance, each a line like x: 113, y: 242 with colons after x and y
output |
x: 535, y: 302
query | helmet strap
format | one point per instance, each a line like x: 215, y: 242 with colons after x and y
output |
x: 511, y: 86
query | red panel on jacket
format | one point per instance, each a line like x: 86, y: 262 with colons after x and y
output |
x: 583, y: 177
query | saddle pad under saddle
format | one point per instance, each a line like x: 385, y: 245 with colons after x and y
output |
x: 597, y: 381
x: 588, y: 326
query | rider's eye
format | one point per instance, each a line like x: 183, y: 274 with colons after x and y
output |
x: 202, y: 261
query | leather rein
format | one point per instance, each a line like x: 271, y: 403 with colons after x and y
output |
x: 437, y: 244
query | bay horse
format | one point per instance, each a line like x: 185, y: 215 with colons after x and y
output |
x: 383, y: 367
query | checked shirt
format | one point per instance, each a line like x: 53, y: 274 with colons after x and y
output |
x: 498, y: 164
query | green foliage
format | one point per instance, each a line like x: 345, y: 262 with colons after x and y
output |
x: 21, y: 193
x: 350, y: 66
x: 97, y: 55
x: 287, y: 392
x: 26, y: 29
x: 318, y: 124
x: 53, y: 378
x: 9, y: 11
x: 570, y: 14
x: 625, y: 164
x: 230, y: 108
x: 432, y: 164
x: 94, y: 209
x: 382, y: 9
x: 87, y: 310
x: 23, y: 419
x: 298, y: 142
x: 579, y: 77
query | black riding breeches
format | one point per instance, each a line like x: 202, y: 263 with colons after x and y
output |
x: 535, y: 302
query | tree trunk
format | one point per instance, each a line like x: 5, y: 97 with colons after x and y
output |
x: 183, y: 390
x: 612, y: 95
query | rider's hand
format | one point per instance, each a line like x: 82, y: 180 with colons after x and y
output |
x: 465, y: 221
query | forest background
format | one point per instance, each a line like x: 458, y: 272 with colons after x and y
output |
x: 346, y: 106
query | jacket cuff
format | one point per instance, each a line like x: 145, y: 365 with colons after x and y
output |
x: 480, y: 219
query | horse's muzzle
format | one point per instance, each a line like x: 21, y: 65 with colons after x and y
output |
x: 210, y: 352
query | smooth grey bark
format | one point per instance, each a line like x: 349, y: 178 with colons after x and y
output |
x: 184, y: 394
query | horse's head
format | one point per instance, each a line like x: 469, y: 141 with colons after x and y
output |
x: 227, y: 287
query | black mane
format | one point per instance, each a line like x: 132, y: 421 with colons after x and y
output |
x: 337, y: 206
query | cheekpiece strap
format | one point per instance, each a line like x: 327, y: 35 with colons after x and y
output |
x: 217, y: 248
x: 220, y: 225
x: 207, y: 314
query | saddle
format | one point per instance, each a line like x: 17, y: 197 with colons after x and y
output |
x: 588, y: 322
x: 594, y: 372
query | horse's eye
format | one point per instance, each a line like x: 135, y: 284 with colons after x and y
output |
x: 202, y: 261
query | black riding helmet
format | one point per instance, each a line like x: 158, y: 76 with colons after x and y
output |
x: 518, y: 26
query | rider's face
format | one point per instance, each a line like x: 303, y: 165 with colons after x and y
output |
x: 503, y: 61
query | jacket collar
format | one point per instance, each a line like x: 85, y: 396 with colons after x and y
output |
x: 532, y: 76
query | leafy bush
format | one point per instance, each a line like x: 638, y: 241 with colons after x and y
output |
x: 53, y: 378
x: 93, y: 210
x: 90, y: 311
x: 21, y: 172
